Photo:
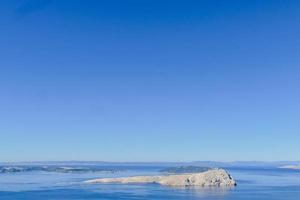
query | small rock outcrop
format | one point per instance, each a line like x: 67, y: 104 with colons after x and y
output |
x: 214, y: 177
x: 296, y: 167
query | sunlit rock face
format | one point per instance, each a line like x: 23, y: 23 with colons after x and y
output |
x: 215, y: 177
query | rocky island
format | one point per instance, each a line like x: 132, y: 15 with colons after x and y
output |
x: 213, y: 177
x: 296, y: 167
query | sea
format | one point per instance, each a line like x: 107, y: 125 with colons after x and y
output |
x: 252, y: 184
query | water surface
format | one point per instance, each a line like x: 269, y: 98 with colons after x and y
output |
x: 253, y: 184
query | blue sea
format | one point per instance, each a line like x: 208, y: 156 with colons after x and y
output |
x: 253, y: 184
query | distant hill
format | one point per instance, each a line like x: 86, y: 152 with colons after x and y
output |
x: 185, y: 169
x: 260, y: 164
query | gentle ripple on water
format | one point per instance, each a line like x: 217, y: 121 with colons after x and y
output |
x: 264, y: 184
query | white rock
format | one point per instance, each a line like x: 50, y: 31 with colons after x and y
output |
x: 290, y: 167
x: 215, y: 177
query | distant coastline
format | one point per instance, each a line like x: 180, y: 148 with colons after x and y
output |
x: 211, y: 164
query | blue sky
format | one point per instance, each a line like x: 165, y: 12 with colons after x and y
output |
x: 149, y: 80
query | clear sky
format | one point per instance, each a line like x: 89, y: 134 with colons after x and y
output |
x: 149, y: 80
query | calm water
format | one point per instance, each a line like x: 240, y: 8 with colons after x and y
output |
x: 253, y: 184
